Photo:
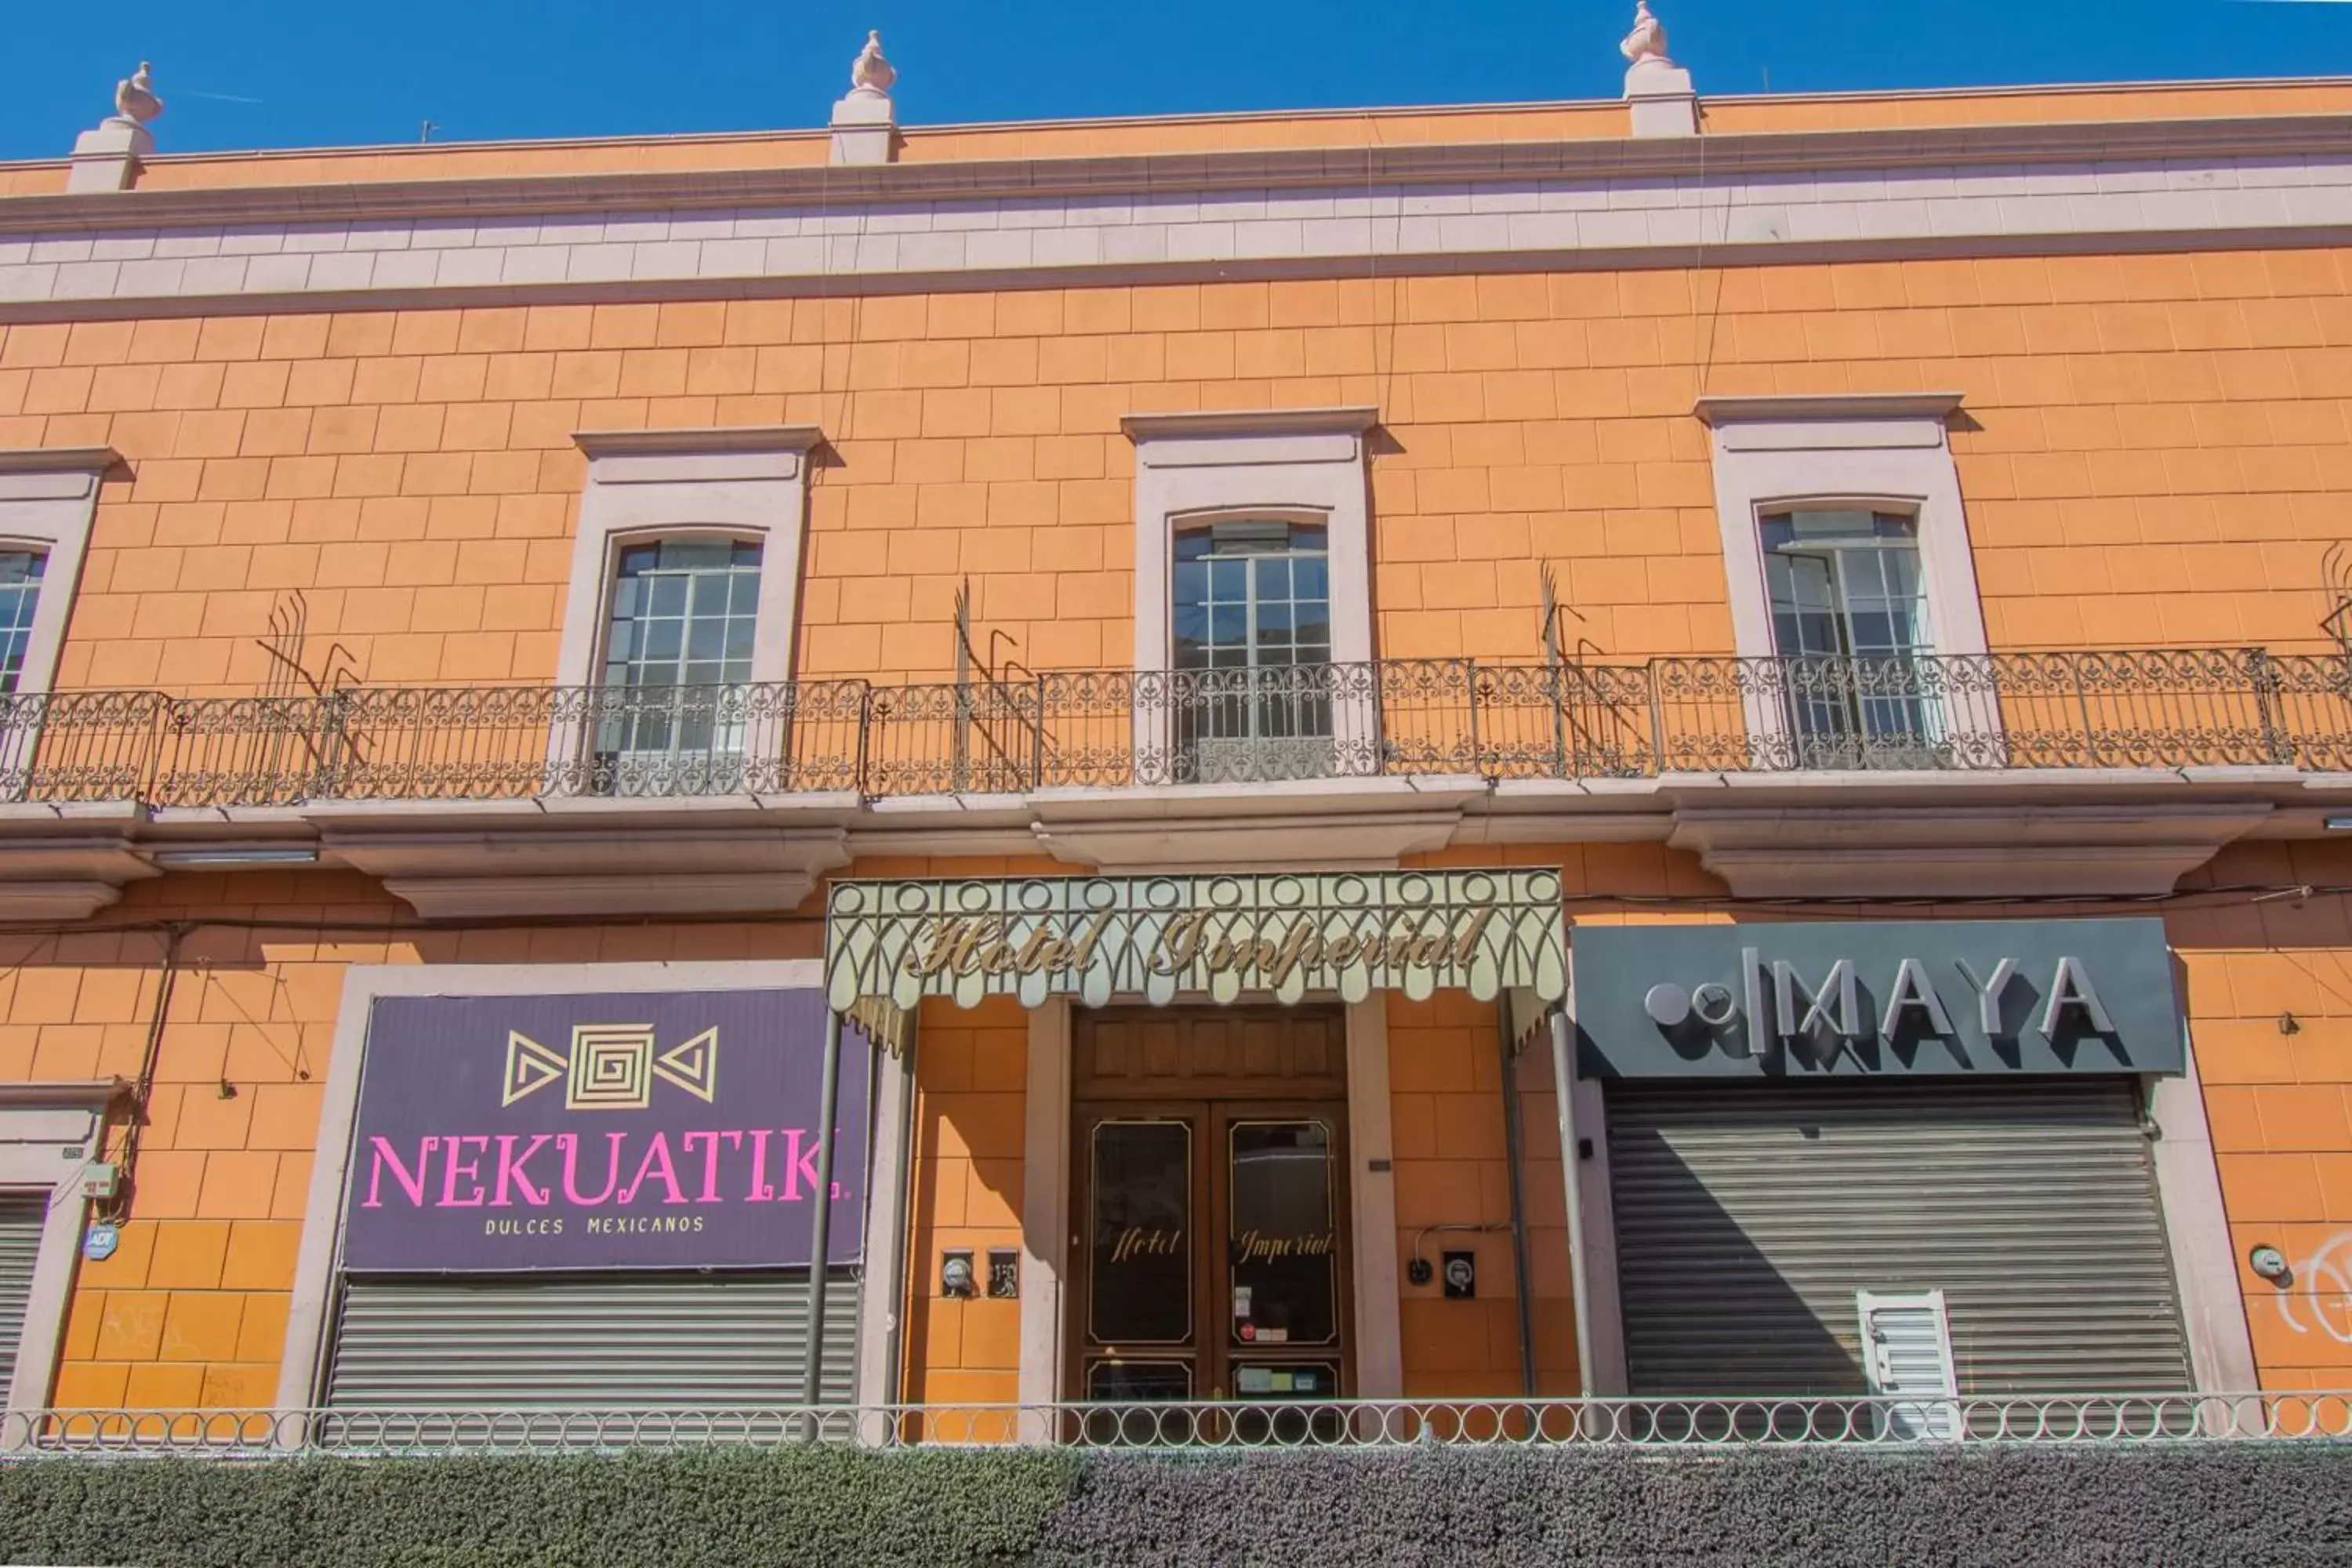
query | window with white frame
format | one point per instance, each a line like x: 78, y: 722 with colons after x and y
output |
x: 49, y: 502
x: 1852, y: 593
x: 1850, y: 621
x: 679, y: 624
x: 1252, y: 595
x: 678, y: 651
x: 1253, y: 610
x: 20, y: 597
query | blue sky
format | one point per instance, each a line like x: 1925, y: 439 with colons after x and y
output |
x: 273, y: 73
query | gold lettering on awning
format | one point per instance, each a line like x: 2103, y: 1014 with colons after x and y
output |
x: 1284, y: 934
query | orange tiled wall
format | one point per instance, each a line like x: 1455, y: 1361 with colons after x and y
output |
x: 192, y: 1308
x: 971, y: 1081
x: 2154, y: 451
x: 2270, y: 1012
x: 1446, y: 1105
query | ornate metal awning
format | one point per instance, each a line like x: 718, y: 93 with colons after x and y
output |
x: 1285, y: 935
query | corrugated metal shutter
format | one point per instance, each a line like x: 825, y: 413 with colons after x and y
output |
x: 21, y: 1218
x: 1748, y: 1216
x: 666, y: 1341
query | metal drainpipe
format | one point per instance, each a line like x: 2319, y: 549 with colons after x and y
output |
x: 828, y: 1100
x: 1519, y: 1272
x: 902, y: 1243
x: 1563, y: 1077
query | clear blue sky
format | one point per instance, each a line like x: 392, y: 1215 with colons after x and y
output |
x: 322, y: 73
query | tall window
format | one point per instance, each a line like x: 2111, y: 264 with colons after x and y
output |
x: 678, y: 649
x: 1252, y: 595
x: 683, y: 612
x: 1252, y: 634
x: 1849, y: 622
x: 20, y: 594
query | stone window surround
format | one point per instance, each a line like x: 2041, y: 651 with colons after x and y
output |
x: 36, y: 1122
x: 49, y: 502
x: 310, y: 1311
x: 1885, y: 450
x: 737, y: 482
x: 1299, y: 465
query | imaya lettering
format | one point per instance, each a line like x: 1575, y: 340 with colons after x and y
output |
x: 1781, y: 1002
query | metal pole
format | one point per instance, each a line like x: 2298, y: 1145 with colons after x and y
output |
x: 828, y: 1100
x: 1519, y: 1270
x: 1563, y: 1077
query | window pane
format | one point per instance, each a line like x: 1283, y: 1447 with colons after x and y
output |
x: 1281, y: 1236
x: 20, y: 589
x: 1308, y: 577
x: 1140, y: 1257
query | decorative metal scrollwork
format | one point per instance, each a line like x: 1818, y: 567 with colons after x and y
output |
x: 1115, y: 728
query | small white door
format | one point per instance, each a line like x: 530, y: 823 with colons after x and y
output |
x: 1906, y: 1344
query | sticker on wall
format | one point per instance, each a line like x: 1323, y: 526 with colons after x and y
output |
x: 100, y: 1244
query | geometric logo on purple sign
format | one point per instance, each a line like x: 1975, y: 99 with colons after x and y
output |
x: 611, y: 1067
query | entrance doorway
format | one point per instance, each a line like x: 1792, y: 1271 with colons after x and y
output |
x: 1210, y: 1248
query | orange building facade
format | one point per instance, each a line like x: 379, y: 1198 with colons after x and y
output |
x: 1179, y: 632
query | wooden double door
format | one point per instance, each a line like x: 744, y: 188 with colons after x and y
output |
x: 1209, y: 1213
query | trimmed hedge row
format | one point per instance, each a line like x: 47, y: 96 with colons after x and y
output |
x: 2279, y: 1506
x: 757, y: 1507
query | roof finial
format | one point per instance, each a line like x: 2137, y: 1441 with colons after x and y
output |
x: 135, y: 100
x: 870, y: 75
x: 1658, y: 90
x: 1647, y: 41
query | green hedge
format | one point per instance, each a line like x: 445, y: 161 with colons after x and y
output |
x: 755, y: 1507
x: 2181, y: 1506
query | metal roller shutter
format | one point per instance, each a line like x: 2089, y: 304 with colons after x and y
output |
x: 675, y: 1341
x: 1748, y: 1216
x: 21, y: 1218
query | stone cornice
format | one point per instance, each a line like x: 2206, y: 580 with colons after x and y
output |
x: 698, y: 443
x: 1250, y: 422
x: 57, y: 459
x: 1814, y: 153
x: 1829, y: 405
x: 79, y: 1094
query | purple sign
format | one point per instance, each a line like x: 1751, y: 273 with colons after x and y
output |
x: 631, y: 1130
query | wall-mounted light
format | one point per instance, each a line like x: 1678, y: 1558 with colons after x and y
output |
x: 2270, y: 1264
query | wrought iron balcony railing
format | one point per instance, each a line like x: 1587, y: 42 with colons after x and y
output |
x: 2162, y: 708
x: 1658, y: 1425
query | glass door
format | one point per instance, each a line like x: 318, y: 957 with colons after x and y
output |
x: 1850, y: 624
x: 1251, y: 620
x: 1210, y: 1264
